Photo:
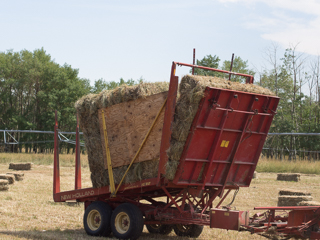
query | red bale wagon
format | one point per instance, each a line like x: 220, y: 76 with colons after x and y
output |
x: 227, y: 134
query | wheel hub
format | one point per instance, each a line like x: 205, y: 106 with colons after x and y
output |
x: 94, y: 220
x: 122, y: 222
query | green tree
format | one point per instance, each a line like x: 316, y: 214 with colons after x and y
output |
x: 208, y: 61
x: 238, y: 66
x: 32, y: 87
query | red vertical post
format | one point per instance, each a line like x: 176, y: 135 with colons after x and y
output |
x: 56, y: 169
x: 231, y: 65
x: 194, y: 60
x: 168, y: 118
x: 78, y: 163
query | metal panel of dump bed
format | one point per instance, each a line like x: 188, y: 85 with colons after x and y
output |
x: 226, y: 139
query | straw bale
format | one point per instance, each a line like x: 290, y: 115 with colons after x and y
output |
x: 18, y: 176
x: 10, y: 178
x: 309, y: 203
x: 4, y: 187
x: 293, y: 177
x: 11, y: 175
x: 292, y: 192
x: 255, y: 175
x: 191, y: 91
x: 20, y: 166
x: 4, y: 182
x: 292, y: 200
x: 87, y: 108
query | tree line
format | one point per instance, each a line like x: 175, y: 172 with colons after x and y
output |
x: 33, y: 86
x: 295, y: 78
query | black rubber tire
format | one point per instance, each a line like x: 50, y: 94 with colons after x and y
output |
x: 191, y: 230
x: 159, y: 229
x: 127, y: 222
x: 97, y: 219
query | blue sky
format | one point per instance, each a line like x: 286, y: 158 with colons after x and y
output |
x: 133, y: 39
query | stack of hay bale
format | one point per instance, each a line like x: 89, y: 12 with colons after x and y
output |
x: 4, y: 184
x: 290, y: 197
x: 87, y: 108
x: 291, y: 177
x: 18, y: 176
x: 9, y: 178
x: 191, y: 91
x: 5, y: 180
x: 255, y: 175
x: 20, y: 166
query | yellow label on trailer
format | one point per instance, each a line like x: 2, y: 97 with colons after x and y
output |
x: 224, y: 143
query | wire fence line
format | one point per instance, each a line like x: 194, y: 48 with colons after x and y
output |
x: 61, y: 136
x: 292, y: 146
x: 293, y: 134
x: 31, y: 140
x: 268, y: 150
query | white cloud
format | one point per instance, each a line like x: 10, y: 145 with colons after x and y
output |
x: 289, y: 22
x: 306, y: 6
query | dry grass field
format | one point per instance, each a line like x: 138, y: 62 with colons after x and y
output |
x: 27, y: 210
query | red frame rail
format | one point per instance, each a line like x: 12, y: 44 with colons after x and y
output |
x: 286, y: 222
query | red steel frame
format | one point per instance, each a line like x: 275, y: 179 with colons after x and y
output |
x: 189, y: 200
x: 165, y: 143
x: 286, y: 222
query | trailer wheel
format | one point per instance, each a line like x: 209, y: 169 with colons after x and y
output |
x: 96, y: 219
x: 191, y: 230
x: 159, y: 228
x: 127, y: 221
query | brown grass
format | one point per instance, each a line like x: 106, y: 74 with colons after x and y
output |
x: 28, y: 211
x: 66, y: 160
x: 286, y: 166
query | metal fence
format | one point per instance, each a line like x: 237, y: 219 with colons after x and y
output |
x: 279, y: 152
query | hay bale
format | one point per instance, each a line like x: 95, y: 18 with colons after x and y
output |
x: 255, y: 175
x: 10, y: 178
x: 309, y: 203
x: 4, y: 184
x: 20, y: 166
x: 292, y: 200
x: 293, y: 177
x: 4, y: 187
x: 18, y: 176
x: 87, y: 108
x: 191, y: 91
x: 292, y: 192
